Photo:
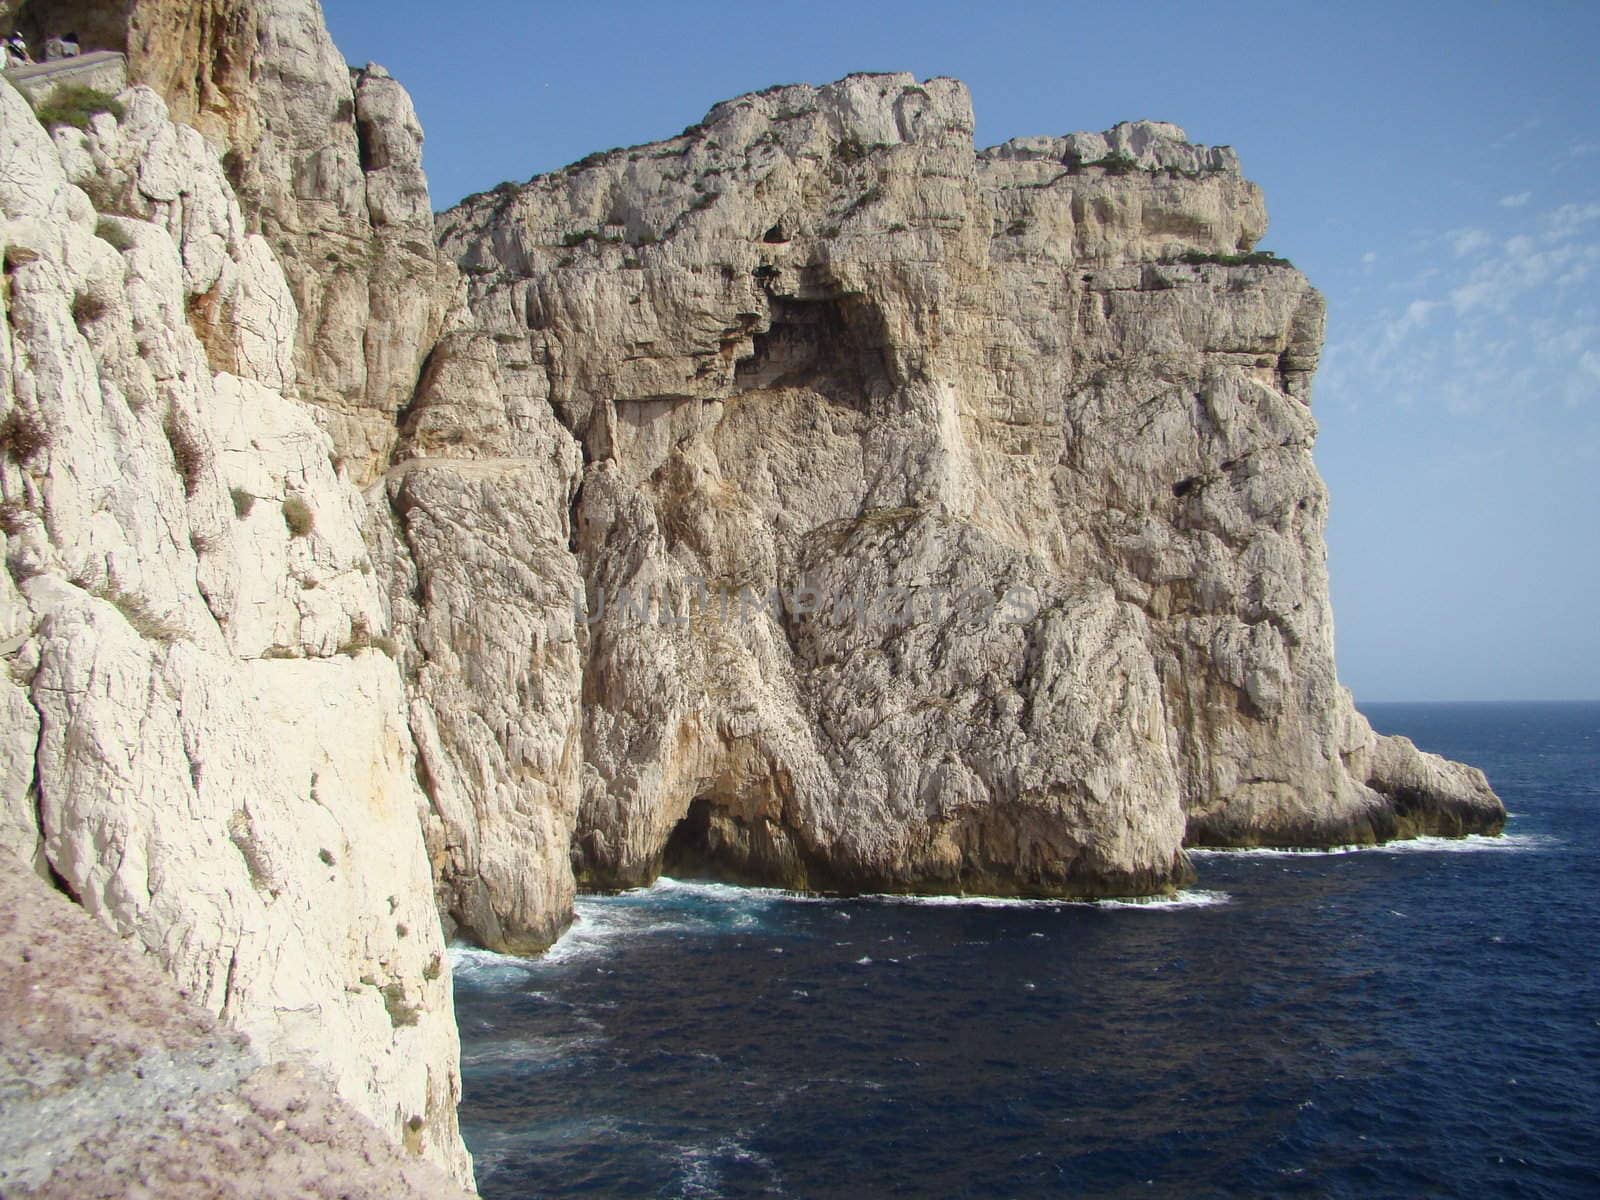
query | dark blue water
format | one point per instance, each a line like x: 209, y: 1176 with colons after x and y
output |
x: 1414, y: 1021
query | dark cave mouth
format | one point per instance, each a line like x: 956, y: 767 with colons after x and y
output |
x: 833, y: 346
x: 713, y: 843
x: 688, y: 853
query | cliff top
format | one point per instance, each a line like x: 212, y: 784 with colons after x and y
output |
x: 868, y: 111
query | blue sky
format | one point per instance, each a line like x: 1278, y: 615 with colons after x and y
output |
x: 1434, y: 168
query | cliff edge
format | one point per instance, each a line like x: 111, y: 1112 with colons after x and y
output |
x: 810, y: 499
x: 204, y: 743
x: 819, y: 352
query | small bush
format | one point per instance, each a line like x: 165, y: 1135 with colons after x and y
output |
x: 73, y: 104
x: 1255, y: 258
x: 187, y: 456
x: 1116, y: 164
x: 580, y: 236
x: 241, y: 832
x: 22, y: 436
x: 400, y: 1010
x: 13, y: 516
x: 87, y: 308
x: 297, y: 515
x: 850, y: 149
x: 360, y: 636
x: 632, y: 264
x: 1017, y: 228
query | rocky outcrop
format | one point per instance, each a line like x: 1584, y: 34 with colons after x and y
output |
x: 808, y: 499
x: 326, y: 162
x: 111, y: 1085
x: 1008, y: 454
x: 205, y: 744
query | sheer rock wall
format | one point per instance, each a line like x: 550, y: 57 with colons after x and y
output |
x: 818, y: 340
x: 203, y: 744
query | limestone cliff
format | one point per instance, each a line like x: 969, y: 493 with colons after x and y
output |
x: 808, y: 498
x: 818, y: 344
x: 203, y: 743
x: 326, y: 162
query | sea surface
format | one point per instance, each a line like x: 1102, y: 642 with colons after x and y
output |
x: 1418, y: 1020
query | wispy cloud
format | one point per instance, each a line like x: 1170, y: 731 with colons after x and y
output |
x: 1496, y: 323
x: 1466, y: 241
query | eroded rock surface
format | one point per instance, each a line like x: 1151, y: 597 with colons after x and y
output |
x: 818, y: 344
x: 205, y: 744
x: 808, y: 499
x: 326, y: 162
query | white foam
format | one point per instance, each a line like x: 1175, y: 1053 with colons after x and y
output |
x: 698, y: 1166
x: 1183, y: 899
x: 528, y: 1052
x: 1471, y: 844
x: 602, y: 922
x: 479, y: 965
x: 1188, y: 898
x: 724, y: 892
x: 596, y: 925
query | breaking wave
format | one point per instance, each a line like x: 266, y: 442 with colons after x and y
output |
x: 1507, y: 843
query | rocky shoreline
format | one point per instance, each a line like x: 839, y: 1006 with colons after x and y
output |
x: 326, y: 524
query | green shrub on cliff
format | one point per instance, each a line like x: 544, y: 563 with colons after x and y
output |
x: 73, y: 104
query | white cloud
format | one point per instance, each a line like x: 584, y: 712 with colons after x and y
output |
x: 1568, y: 219
x: 1516, y: 201
x: 1370, y: 257
x: 1415, y: 317
x: 1468, y: 241
x: 1497, y: 328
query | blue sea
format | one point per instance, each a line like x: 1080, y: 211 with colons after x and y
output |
x: 1416, y: 1020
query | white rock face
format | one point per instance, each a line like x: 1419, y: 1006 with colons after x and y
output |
x: 818, y: 344
x: 807, y: 499
x: 200, y: 740
x: 335, y: 184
